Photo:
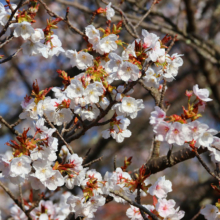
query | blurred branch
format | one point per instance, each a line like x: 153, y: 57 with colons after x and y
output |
x: 117, y: 193
x: 11, y: 56
x: 158, y: 164
x: 2, y: 120
x: 53, y: 14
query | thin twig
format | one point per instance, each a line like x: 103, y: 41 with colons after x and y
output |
x: 21, y: 197
x: 11, y: 17
x: 11, y: 56
x: 205, y: 166
x: 146, y: 14
x: 52, y: 126
x: 117, y: 193
x: 139, y: 202
x: 115, y: 164
x: 92, y: 162
x: 14, y: 199
x: 53, y: 14
x: 2, y: 120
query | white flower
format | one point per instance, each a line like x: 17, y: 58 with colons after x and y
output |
x: 75, y: 89
x: 43, y: 170
x: 93, y: 35
x: 93, y: 91
x: 76, y: 162
x: 63, y: 115
x: 30, y: 49
x: 160, y: 188
x: 110, y: 12
x: 35, y: 182
x: 72, y: 55
x: 210, y: 212
x: 156, y: 52
x: 122, y: 134
x: 129, y: 51
x: 207, y: 138
x: 20, y: 166
x: 128, y: 71
x: 179, y: 134
x: 55, y: 180
x: 128, y: 105
x: 150, y: 79
x: 202, y: 94
x: 54, y: 46
x: 37, y: 35
x: 23, y: 29
x: 107, y: 44
x: 5, y: 160
x: 84, y: 60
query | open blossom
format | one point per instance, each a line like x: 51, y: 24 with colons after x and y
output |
x: 54, y: 46
x: 160, y: 188
x: 55, y: 180
x: 20, y: 166
x: 93, y: 91
x: 110, y: 12
x: 37, y: 35
x: 157, y: 116
x: 179, y: 134
x: 202, y: 94
x: 83, y: 60
x: 156, y: 52
x: 149, y: 39
x: 161, y: 130
x: 30, y: 48
x: 165, y: 207
x: 210, y: 212
x: 150, y: 79
x: 107, y: 44
x: 128, y: 71
x: 23, y: 29
x: 75, y: 89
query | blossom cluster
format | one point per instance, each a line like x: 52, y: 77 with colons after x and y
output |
x: 87, y: 98
x: 186, y: 129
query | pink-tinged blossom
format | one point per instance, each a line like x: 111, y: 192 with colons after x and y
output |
x: 129, y: 51
x: 75, y: 178
x: 176, y: 216
x: 17, y: 213
x: 75, y: 161
x: 160, y: 188
x: 202, y: 94
x: 179, y: 134
x: 210, y: 212
x: 63, y: 115
x: 156, y: 52
x: 128, y: 71
x: 161, y: 130
x: 35, y: 182
x: 5, y: 160
x: 110, y: 12
x: 20, y: 166
x: 149, y: 39
x: 197, y: 129
x: 165, y: 207
x: 76, y: 204
x: 157, y: 116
